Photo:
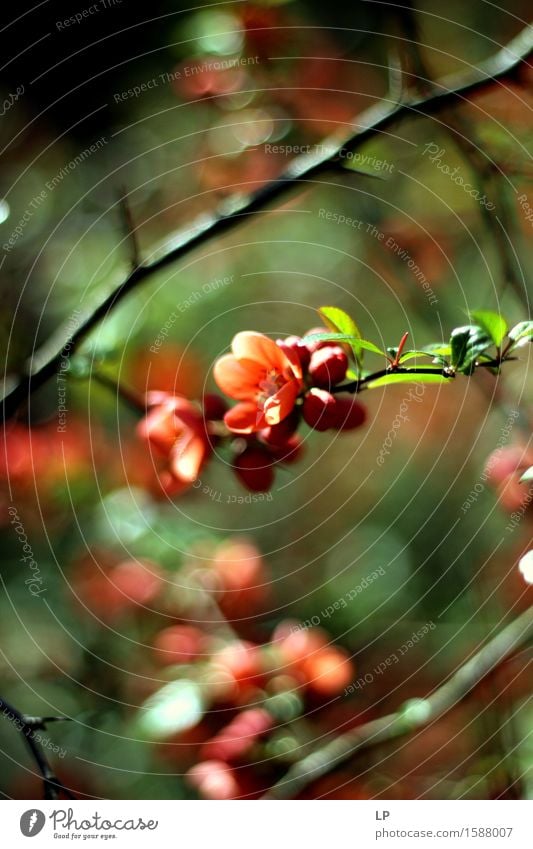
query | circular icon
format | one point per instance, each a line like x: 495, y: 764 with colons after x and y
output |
x: 32, y: 822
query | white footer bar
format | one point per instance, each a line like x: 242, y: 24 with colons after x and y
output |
x: 264, y: 825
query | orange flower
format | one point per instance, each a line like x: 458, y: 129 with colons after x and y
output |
x: 264, y: 378
x: 176, y: 428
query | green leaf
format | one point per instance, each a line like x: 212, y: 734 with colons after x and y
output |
x: 438, y: 349
x: 340, y: 322
x: 354, y: 341
x: 410, y: 355
x: 459, y: 345
x: 407, y: 377
x: 351, y: 374
x: 467, y: 343
x: 492, y: 323
x: 527, y: 476
x: 425, y: 366
x: 369, y: 346
x: 521, y: 334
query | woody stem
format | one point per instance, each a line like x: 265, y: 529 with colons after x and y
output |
x: 303, y: 171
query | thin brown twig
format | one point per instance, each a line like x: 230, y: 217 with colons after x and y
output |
x: 131, y: 230
x: 28, y: 725
x: 464, y: 137
x: 303, y: 170
x: 411, y: 717
x: 132, y: 399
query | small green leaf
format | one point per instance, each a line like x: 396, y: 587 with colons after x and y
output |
x: 438, y: 349
x: 521, y: 334
x: 407, y: 377
x: 467, y: 343
x: 340, y: 322
x: 492, y: 323
x: 426, y: 366
x: 410, y: 355
x: 354, y: 341
x: 351, y: 374
x: 459, y: 344
x: 369, y: 346
x: 527, y: 476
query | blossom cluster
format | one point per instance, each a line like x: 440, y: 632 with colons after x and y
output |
x: 260, y: 687
x: 277, y: 385
x: 216, y: 693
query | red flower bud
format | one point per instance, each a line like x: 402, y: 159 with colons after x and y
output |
x: 328, y: 671
x: 243, y: 661
x: 505, y: 461
x: 328, y: 366
x: 514, y: 495
x: 318, y: 409
x: 323, y: 411
x: 135, y: 582
x: 290, y: 451
x: 254, y: 469
x: 278, y: 435
x: 295, y: 344
x: 237, y: 738
x: 296, y: 644
x: 214, y: 780
x: 347, y: 414
x: 178, y: 644
x: 214, y: 406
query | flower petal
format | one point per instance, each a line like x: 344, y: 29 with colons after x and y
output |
x: 156, y: 397
x: 171, y: 485
x: 245, y: 418
x: 160, y: 428
x: 295, y: 364
x: 282, y: 403
x: 248, y: 345
x: 237, y: 378
x: 187, y: 458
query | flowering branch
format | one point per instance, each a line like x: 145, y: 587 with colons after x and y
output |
x: 28, y: 725
x: 304, y: 169
x: 411, y: 717
x: 281, y: 383
x: 356, y: 386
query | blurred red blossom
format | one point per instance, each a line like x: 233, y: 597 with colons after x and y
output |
x: 110, y: 589
x: 176, y: 428
x: 503, y: 470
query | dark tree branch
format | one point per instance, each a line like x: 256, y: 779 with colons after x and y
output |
x: 412, y: 717
x: 447, y: 372
x: 28, y: 725
x: 130, y: 229
x: 133, y: 400
x: 304, y: 169
x: 137, y: 403
x: 486, y: 171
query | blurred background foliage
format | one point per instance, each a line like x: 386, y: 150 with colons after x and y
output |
x: 194, y: 138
